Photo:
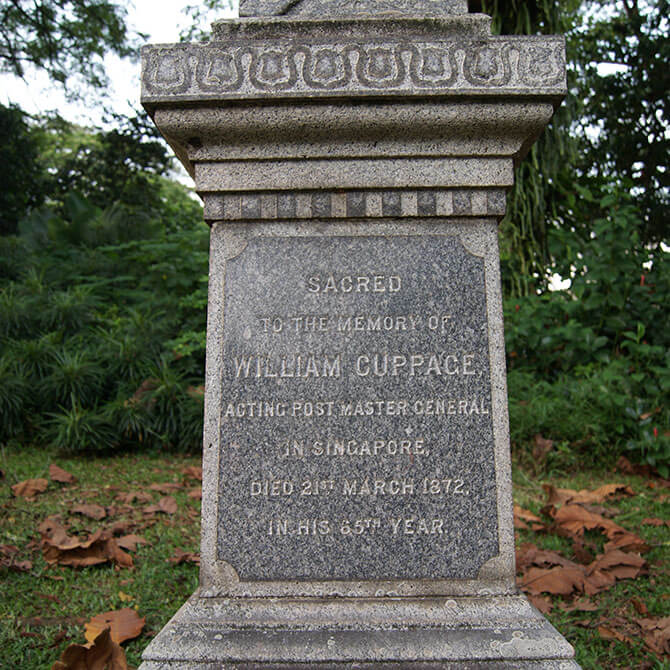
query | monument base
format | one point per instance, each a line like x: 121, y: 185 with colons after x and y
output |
x: 464, y: 633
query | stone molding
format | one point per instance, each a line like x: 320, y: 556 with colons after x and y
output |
x: 355, y: 204
x: 289, y: 69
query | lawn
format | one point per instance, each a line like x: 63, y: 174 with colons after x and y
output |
x: 617, y: 616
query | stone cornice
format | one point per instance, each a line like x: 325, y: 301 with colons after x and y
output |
x: 285, y: 69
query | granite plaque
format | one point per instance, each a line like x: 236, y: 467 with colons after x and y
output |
x: 356, y: 423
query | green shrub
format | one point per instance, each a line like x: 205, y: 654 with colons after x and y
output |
x: 590, y: 365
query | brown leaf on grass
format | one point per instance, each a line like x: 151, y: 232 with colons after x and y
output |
x: 562, y: 496
x: 626, y: 541
x: 581, y: 605
x: 656, y: 522
x: 90, y: 511
x: 542, y: 603
x: 639, y: 606
x: 528, y: 555
x: 611, y: 567
x: 557, y: 581
x: 59, y: 475
x: 62, y: 549
x: 195, y: 494
x: 521, y: 516
x: 124, y: 624
x: 194, y: 472
x: 608, y: 633
x: 581, y: 552
x: 656, y: 634
x: 8, y: 554
x: 132, y: 496
x: 620, y: 564
x: 130, y: 542
x: 166, y: 505
x: 103, y: 654
x: 167, y: 487
x: 574, y: 520
x: 184, y: 557
x: 30, y: 488
x: 121, y: 527
x: 541, y: 448
x: 607, y: 512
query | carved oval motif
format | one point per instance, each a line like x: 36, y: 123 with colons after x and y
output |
x: 273, y: 70
x: 326, y: 68
x: 541, y: 65
x: 219, y: 71
x: 487, y: 66
x: 168, y: 72
x: 433, y: 67
x: 380, y: 67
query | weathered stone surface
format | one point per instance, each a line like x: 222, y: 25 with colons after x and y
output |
x: 354, y: 159
x: 329, y: 8
x: 309, y: 68
x: 357, y: 436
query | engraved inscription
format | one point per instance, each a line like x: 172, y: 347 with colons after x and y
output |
x: 356, y: 427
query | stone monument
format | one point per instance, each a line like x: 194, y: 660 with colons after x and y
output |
x: 354, y: 158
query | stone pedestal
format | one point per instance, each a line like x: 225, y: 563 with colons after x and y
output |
x: 354, y: 159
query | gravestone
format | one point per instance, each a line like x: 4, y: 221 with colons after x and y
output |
x: 354, y: 159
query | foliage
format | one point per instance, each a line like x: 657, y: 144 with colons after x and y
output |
x: 93, y: 321
x: 537, y: 202
x: 20, y: 173
x: 65, y: 38
x: 623, y: 50
x: 590, y: 365
x: 202, y: 15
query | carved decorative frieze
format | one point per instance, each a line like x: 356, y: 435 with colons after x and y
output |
x: 288, y: 69
x: 355, y: 204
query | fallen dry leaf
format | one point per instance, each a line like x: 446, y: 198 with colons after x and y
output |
x: 195, y: 494
x: 90, y: 511
x: 562, y: 496
x: 656, y: 522
x: 103, y: 654
x: 656, y: 634
x: 30, y: 488
x: 8, y: 553
x: 62, y: 549
x: 193, y: 472
x: 184, y: 557
x: 521, y: 516
x: 639, y: 606
x: 166, y: 505
x: 59, y: 475
x: 124, y: 624
x: 619, y: 564
x: 557, y: 581
x: 607, y: 512
x: 168, y: 487
x: 612, y: 634
x: 542, y: 603
x: 541, y: 448
x: 581, y: 605
x: 129, y: 498
x: 528, y: 555
x: 574, y: 520
x: 130, y: 542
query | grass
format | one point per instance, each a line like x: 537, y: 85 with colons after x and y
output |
x: 43, y: 611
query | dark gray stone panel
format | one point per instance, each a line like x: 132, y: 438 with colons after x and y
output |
x: 357, y: 438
